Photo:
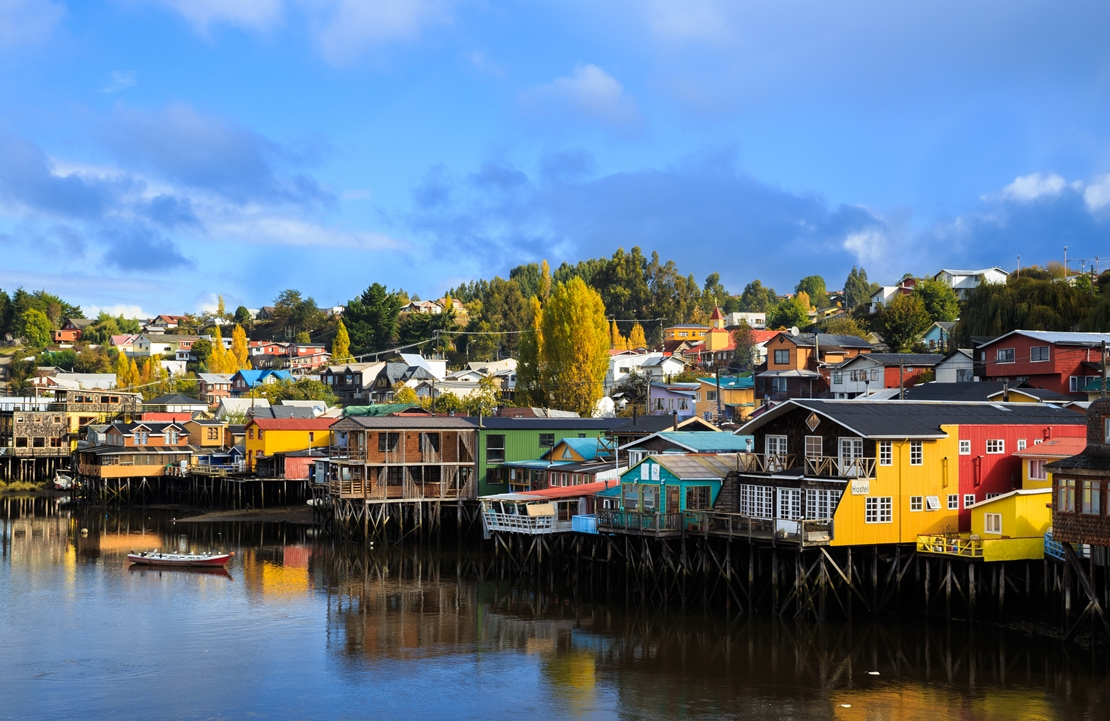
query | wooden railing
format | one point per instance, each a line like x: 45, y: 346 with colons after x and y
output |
x: 766, y: 463
x: 951, y: 545
x: 410, y: 489
x: 806, y: 532
x: 833, y: 467
x: 520, y: 523
x: 649, y: 522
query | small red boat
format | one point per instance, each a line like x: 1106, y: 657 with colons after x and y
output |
x: 158, y: 558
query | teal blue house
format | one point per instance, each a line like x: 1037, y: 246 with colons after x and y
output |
x: 663, y: 494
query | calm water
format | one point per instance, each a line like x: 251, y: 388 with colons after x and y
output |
x: 297, y: 629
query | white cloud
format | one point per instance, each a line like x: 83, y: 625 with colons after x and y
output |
x: 251, y: 14
x: 1097, y: 193
x: 119, y: 80
x: 345, y: 29
x: 867, y: 245
x: 270, y: 230
x: 27, y: 22
x: 125, y: 309
x: 590, y: 93
x: 1035, y: 185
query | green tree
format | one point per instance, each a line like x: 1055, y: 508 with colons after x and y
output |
x: 941, y: 302
x: 484, y: 400
x: 575, y: 353
x: 202, y: 350
x: 92, y: 360
x: 302, y: 338
x: 814, y: 287
x: 243, y: 316
x: 371, y: 320
x: 845, y: 325
x: 303, y: 389
x: 902, y: 321
x: 341, y: 346
x: 790, y: 312
x: 757, y: 299
x: 744, y: 342
x: 857, y: 290
x: 36, y: 328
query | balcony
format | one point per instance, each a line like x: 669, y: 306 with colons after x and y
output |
x: 646, y: 523
x: 973, y: 547
x: 803, y: 532
x: 835, y: 467
x: 766, y: 462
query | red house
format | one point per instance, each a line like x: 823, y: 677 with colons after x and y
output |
x: 1062, y: 362
x: 987, y: 464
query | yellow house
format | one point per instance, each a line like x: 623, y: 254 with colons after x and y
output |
x: 1012, y: 526
x: 206, y: 433
x: 908, y: 495
x: 267, y: 436
x: 689, y: 332
x: 1034, y: 458
x: 737, y: 397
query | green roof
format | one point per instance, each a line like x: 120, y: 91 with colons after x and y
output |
x: 378, y: 409
x: 708, y: 441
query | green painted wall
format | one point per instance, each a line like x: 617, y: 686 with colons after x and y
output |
x: 520, y: 445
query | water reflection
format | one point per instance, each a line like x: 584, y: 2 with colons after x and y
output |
x: 305, y: 629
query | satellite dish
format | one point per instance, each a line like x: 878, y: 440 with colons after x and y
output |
x: 794, y: 330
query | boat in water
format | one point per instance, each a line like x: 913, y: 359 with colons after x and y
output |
x: 63, y: 482
x: 182, y: 560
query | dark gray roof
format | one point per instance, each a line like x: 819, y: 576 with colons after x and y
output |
x: 554, y: 424
x: 173, y: 399
x: 827, y: 340
x: 283, y: 412
x: 915, y: 419
x: 404, y: 422
x: 978, y: 391
x: 896, y: 359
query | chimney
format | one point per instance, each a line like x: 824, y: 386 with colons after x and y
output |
x: 674, y: 416
x: 635, y: 414
x: 1048, y: 433
x: 1006, y: 391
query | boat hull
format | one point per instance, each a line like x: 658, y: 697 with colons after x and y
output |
x: 184, y: 560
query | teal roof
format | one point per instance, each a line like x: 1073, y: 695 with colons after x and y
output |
x: 536, y: 464
x: 732, y: 383
x: 254, y: 377
x: 378, y: 409
x: 707, y: 441
x: 589, y: 448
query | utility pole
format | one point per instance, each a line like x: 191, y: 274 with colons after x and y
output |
x: 1065, y: 264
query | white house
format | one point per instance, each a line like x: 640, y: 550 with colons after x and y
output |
x: 965, y: 281
x: 755, y: 321
x: 958, y: 367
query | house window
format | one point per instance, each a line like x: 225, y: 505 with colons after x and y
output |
x: 697, y: 498
x: 547, y: 440
x: 916, y: 503
x: 778, y: 384
x: 932, y: 503
x: 1065, y: 496
x: 878, y: 510
x: 886, y: 453
x: 821, y: 504
x: 965, y: 375
x: 916, y: 453
x: 311, y: 436
x: 757, y: 501
x: 429, y: 442
x: 837, y: 378
x: 813, y: 446
x: 965, y: 448
x: 969, y: 500
x: 953, y: 501
x: 992, y: 523
x: 213, y: 434
x: 782, y: 357
x: 1004, y: 355
x: 1036, y: 470
x: 1021, y: 444
x: 387, y: 441
x: 495, y: 448
x: 171, y: 437
x: 993, y: 495
x: 632, y: 497
x: 1091, y: 497
x: 790, y: 504
x: 1038, y: 353
x: 250, y: 434
x: 996, y: 446
x: 711, y: 395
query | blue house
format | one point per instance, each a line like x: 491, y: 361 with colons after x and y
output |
x: 939, y: 337
x: 671, y: 399
x: 245, y: 380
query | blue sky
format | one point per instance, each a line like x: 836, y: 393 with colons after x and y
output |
x: 154, y: 153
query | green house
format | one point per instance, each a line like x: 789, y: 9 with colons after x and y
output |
x: 664, y: 493
x: 506, y: 445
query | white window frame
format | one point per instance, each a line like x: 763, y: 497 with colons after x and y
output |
x: 996, y: 446
x: 1021, y: 445
x: 886, y: 453
x: 969, y: 500
x: 814, y: 446
x: 1036, y: 469
x: 1039, y: 350
x: 878, y: 509
x: 965, y: 448
x: 917, y: 503
x: 1004, y: 355
x: 992, y: 523
x: 790, y: 504
x: 917, y: 453
x: 953, y: 501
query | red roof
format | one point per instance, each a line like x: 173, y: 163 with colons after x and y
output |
x: 1054, y: 448
x: 762, y: 336
x: 584, y: 489
x: 293, y: 424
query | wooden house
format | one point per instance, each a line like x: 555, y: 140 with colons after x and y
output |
x: 1080, y: 484
x: 1059, y: 361
x: 380, y: 458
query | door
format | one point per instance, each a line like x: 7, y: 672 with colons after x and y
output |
x: 775, y: 447
x: 851, y: 451
x: 672, y: 500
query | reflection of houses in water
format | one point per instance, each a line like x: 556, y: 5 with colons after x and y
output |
x: 34, y: 533
x: 278, y: 572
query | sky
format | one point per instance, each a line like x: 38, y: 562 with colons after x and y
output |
x: 157, y: 153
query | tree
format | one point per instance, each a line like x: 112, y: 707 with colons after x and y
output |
x: 219, y: 360
x: 371, y: 320
x: 202, y: 351
x: 845, y: 325
x: 789, y: 312
x: 941, y: 302
x: 243, y: 316
x: 304, y: 389
x: 575, y: 354
x: 92, y: 360
x: 745, y: 343
x: 529, y: 384
x: 341, y: 346
x: 302, y: 338
x: 757, y: 299
x: 240, y: 349
x: 857, y: 290
x: 485, y: 400
x: 902, y: 321
x: 404, y: 394
x: 814, y: 287
x: 36, y: 328
x: 715, y: 294
x: 636, y: 337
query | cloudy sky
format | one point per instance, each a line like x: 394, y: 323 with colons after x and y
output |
x: 154, y: 153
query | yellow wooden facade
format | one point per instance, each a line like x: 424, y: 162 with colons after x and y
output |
x: 908, y: 487
x: 265, y: 437
x: 741, y: 398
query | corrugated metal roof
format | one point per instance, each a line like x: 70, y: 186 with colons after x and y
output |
x: 405, y: 422
x: 707, y: 441
x: 292, y: 424
x: 914, y: 419
x: 1054, y: 448
x: 690, y: 467
x: 1058, y: 337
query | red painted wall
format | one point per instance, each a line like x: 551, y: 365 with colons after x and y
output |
x: 1053, y: 374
